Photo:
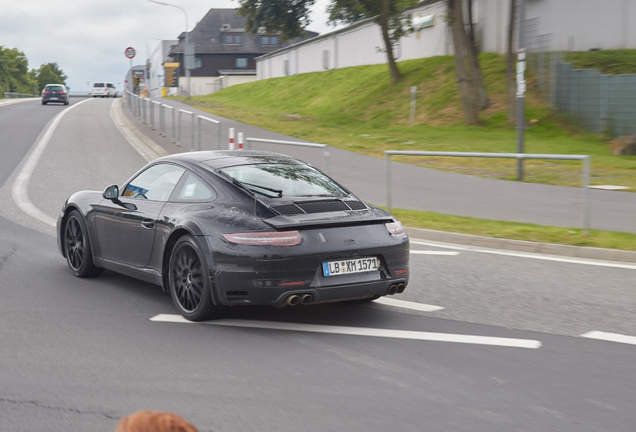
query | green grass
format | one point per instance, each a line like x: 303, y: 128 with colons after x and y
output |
x: 607, y: 61
x: 515, y: 230
x: 359, y: 109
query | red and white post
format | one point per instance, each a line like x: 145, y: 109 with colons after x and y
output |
x: 240, y: 140
x: 231, y: 143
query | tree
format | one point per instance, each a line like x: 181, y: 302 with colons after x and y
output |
x: 49, y: 73
x: 466, y: 66
x: 291, y: 17
x: 484, y: 102
x: 14, y: 71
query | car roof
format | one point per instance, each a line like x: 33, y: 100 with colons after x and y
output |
x: 225, y: 158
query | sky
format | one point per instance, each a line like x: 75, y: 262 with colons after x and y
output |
x: 87, y: 38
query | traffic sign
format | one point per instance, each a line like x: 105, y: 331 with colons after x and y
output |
x: 130, y: 52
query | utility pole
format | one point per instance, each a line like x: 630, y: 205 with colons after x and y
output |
x: 188, y: 49
x: 521, y: 86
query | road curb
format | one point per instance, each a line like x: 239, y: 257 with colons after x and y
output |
x: 5, y: 102
x: 523, y: 246
x: 143, y: 144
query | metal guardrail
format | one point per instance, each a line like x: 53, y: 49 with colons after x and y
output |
x: 144, y: 109
x: 15, y: 95
x: 218, y: 130
x: 585, y: 174
x: 326, y: 155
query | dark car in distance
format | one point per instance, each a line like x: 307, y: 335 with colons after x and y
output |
x: 230, y: 228
x: 55, y: 93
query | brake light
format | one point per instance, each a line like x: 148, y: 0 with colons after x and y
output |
x: 62, y: 92
x: 395, y: 229
x: 46, y: 92
x: 276, y: 238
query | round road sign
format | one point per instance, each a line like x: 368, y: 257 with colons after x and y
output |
x: 130, y: 52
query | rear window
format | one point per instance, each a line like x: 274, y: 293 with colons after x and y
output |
x: 110, y: 85
x: 274, y: 180
x: 55, y: 87
x: 98, y: 85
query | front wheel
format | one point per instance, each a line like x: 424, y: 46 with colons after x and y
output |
x: 77, y: 247
x: 189, y: 281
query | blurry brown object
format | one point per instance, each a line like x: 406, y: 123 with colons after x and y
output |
x: 153, y: 421
x: 625, y: 145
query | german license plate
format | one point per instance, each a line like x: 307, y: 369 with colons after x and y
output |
x: 53, y: 98
x: 349, y: 266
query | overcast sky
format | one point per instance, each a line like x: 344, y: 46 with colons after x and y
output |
x: 87, y: 38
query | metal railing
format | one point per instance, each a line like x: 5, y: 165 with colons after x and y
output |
x: 326, y: 155
x: 585, y: 174
x: 14, y: 95
x: 218, y: 130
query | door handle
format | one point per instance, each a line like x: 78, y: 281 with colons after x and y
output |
x: 148, y: 223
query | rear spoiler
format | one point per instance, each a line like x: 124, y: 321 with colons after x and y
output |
x: 337, y: 218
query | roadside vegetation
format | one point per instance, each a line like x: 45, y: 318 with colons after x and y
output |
x: 359, y: 109
x: 15, y: 75
x: 621, y: 61
x: 516, y: 230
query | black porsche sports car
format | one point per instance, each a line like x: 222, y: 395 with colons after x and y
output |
x: 228, y: 228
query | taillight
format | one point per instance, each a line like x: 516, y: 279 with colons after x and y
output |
x: 275, y: 238
x: 61, y: 92
x: 396, y: 229
x: 46, y: 92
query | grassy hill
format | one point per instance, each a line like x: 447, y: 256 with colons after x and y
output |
x: 360, y: 110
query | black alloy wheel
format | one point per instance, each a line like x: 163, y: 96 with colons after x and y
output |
x: 189, y: 281
x: 77, y: 247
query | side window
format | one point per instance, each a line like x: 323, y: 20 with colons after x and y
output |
x: 194, y: 189
x: 155, y: 184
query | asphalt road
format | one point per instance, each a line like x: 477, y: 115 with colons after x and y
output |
x: 434, y: 190
x: 76, y: 355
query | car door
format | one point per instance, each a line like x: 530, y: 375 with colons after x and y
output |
x: 125, y: 227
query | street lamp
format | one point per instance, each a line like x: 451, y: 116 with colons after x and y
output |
x: 187, y: 50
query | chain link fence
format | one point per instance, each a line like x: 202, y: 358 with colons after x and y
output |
x: 602, y: 103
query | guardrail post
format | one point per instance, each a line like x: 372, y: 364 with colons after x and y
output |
x: 326, y: 156
x: 198, y: 132
x: 231, y: 140
x: 152, y: 115
x: 179, y: 128
x: 174, y: 125
x: 240, y: 140
x: 218, y: 136
x: 192, y: 141
x: 586, y: 195
x: 162, y: 121
x: 388, y: 181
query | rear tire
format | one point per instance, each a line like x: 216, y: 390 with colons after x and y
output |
x: 77, y: 247
x: 189, y: 281
x: 43, y: 103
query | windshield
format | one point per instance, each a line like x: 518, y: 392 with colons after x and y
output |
x: 273, y: 180
x: 98, y: 85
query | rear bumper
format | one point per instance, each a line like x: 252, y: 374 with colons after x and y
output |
x: 268, y: 276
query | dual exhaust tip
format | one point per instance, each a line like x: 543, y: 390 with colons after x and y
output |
x: 296, y: 299
x: 396, y: 288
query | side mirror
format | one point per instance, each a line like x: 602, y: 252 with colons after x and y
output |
x: 111, y: 192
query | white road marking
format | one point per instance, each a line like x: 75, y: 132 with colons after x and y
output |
x: 530, y: 255
x: 19, y: 189
x: 361, y: 331
x: 433, y: 252
x: 423, y: 307
x: 611, y: 337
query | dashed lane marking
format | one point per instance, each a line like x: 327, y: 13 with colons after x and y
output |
x: 422, y: 307
x: 361, y: 331
x: 530, y: 255
x: 611, y: 337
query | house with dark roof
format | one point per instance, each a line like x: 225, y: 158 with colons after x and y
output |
x: 224, y: 52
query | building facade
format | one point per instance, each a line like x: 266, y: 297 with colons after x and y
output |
x: 156, y: 72
x: 550, y: 25
x: 225, y: 54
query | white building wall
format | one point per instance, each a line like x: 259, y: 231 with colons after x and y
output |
x: 205, y: 85
x: 550, y: 25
